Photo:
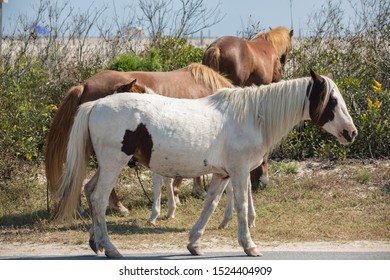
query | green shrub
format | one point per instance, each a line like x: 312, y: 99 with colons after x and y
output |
x: 26, y: 111
x: 175, y: 53
x: 130, y: 62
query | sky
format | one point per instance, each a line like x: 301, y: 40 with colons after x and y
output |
x: 270, y: 13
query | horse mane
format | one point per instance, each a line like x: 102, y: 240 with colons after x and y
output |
x: 208, y: 77
x: 280, y: 37
x: 267, y: 106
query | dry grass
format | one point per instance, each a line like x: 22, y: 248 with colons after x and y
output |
x: 307, y: 201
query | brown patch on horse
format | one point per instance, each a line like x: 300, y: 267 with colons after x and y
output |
x: 138, y: 143
x: 208, y: 77
x: 321, y: 110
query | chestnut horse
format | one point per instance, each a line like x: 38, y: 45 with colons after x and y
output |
x: 193, y: 81
x: 258, y: 61
x: 246, y: 62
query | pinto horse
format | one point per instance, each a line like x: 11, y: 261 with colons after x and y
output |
x: 162, y: 134
x: 258, y: 61
x: 193, y: 81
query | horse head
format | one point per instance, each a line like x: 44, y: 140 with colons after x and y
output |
x: 281, y: 38
x: 130, y: 87
x: 284, y: 56
x: 328, y: 109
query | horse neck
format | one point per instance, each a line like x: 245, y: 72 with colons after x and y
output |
x: 282, y: 107
x: 279, y: 44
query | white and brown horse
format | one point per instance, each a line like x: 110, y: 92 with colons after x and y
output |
x: 193, y: 81
x: 258, y: 61
x: 225, y: 134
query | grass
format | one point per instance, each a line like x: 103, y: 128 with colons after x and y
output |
x: 307, y: 201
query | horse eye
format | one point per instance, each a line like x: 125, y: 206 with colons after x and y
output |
x: 333, y: 102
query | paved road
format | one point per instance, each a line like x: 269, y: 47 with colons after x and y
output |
x: 267, y: 255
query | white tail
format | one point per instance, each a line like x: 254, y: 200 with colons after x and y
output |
x: 79, y: 150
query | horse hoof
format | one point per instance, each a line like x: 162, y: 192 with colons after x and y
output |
x: 114, y: 254
x: 194, y: 250
x: 223, y: 225
x: 93, y: 246
x: 252, y: 252
x: 152, y: 221
x: 123, y: 212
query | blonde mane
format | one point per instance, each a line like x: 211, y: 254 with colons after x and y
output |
x: 269, y: 106
x: 280, y: 37
x: 208, y: 77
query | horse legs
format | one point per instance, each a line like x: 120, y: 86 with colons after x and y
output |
x: 116, y: 204
x: 217, y: 186
x: 240, y: 189
x: 171, y: 198
x: 88, y: 189
x: 197, y: 188
x: 251, y: 209
x: 158, y: 182
x: 230, y: 206
x: 176, y: 188
x: 99, y: 202
x: 259, y: 175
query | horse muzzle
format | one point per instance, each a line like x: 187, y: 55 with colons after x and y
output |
x: 348, y: 135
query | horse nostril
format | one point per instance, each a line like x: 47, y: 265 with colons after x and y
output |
x: 347, y: 136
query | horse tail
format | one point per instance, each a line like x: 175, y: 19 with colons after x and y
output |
x: 78, y: 151
x: 211, y: 58
x: 58, y: 135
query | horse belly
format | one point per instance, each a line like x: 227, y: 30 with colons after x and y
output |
x: 184, y: 153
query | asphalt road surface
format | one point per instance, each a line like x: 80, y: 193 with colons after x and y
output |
x: 267, y: 255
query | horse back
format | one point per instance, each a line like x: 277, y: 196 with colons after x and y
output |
x: 177, y: 84
x: 228, y: 55
x: 102, y: 84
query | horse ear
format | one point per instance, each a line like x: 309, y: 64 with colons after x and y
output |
x: 125, y: 87
x: 315, y: 76
x: 291, y: 33
x: 329, y: 75
x: 132, y: 83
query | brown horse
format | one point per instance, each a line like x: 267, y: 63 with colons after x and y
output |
x: 193, y: 81
x: 258, y: 61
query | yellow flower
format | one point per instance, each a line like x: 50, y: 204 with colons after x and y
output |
x: 376, y: 86
x: 28, y: 157
x: 373, y: 105
x: 52, y: 107
x: 364, y: 116
x: 22, y: 61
